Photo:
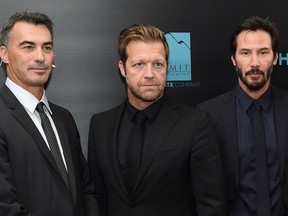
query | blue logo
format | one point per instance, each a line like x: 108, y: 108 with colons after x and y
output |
x: 179, y: 72
x: 283, y: 59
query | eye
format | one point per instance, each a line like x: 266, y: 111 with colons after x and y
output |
x: 159, y: 65
x: 48, y: 48
x: 28, y: 47
x: 245, y: 53
x: 263, y: 53
x: 138, y: 65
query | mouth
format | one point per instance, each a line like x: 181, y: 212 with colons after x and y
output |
x: 39, y: 70
x: 255, y: 73
x: 38, y: 67
x: 255, y: 76
x: 149, y: 86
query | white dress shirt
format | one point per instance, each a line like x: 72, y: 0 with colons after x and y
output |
x: 30, y: 102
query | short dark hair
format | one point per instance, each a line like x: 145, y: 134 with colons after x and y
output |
x: 255, y: 23
x: 29, y: 17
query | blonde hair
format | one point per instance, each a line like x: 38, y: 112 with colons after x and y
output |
x: 140, y: 32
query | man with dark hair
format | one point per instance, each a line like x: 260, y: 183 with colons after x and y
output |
x: 42, y: 169
x: 251, y: 122
x: 150, y: 155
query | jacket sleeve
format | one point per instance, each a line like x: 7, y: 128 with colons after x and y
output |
x: 88, y: 189
x: 95, y: 171
x: 206, y: 170
x: 9, y: 204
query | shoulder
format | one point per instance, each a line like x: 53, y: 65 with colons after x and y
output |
x: 110, y: 113
x: 58, y: 109
x: 278, y: 93
x: 225, y: 98
x: 184, y: 112
x: 61, y: 113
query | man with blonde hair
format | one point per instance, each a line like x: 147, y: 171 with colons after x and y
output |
x: 150, y: 155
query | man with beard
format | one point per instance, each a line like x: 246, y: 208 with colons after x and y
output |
x: 251, y: 122
x: 176, y: 170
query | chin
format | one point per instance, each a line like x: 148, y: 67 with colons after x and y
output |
x: 151, y: 98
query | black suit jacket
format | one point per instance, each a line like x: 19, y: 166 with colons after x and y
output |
x: 181, y: 171
x: 29, y: 180
x: 223, y: 113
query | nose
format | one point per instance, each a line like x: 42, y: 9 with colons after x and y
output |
x: 149, y: 72
x: 39, y: 55
x: 255, y: 60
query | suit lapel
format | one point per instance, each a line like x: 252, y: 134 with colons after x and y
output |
x: 24, y: 119
x: 66, y: 151
x: 230, y: 134
x: 162, y: 127
x: 165, y: 121
x: 114, y: 169
x: 281, y: 128
x: 280, y: 121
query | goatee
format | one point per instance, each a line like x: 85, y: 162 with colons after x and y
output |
x: 254, y: 85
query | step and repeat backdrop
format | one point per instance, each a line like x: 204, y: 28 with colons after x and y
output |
x: 87, y: 79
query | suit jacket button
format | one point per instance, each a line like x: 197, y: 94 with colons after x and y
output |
x: 132, y: 206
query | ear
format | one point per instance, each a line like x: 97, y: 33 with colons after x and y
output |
x: 275, y: 59
x: 233, y: 60
x: 122, y: 68
x: 4, y: 54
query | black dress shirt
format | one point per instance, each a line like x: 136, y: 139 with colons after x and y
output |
x: 245, y: 204
x: 127, y: 124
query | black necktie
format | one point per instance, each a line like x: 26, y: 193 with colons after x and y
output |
x: 262, y: 186
x: 52, y: 141
x: 134, y: 152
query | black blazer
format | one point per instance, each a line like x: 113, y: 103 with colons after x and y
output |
x: 181, y: 172
x: 29, y: 180
x: 223, y: 113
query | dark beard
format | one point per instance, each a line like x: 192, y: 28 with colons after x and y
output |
x: 256, y: 85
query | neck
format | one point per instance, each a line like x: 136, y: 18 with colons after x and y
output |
x: 252, y: 93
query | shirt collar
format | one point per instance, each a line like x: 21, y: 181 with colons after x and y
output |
x: 246, y: 101
x: 28, y: 100
x: 151, y: 111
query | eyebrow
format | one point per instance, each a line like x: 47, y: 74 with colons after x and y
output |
x: 247, y: 49
x: 33, y: 43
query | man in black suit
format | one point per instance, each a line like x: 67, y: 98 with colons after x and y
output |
x: 31, y: 180
x: 254, y: 52
x: 178, y: 170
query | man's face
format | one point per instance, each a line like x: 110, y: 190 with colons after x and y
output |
x: 28, y: 55
x: 145, y: 72
x: 254, y: 60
